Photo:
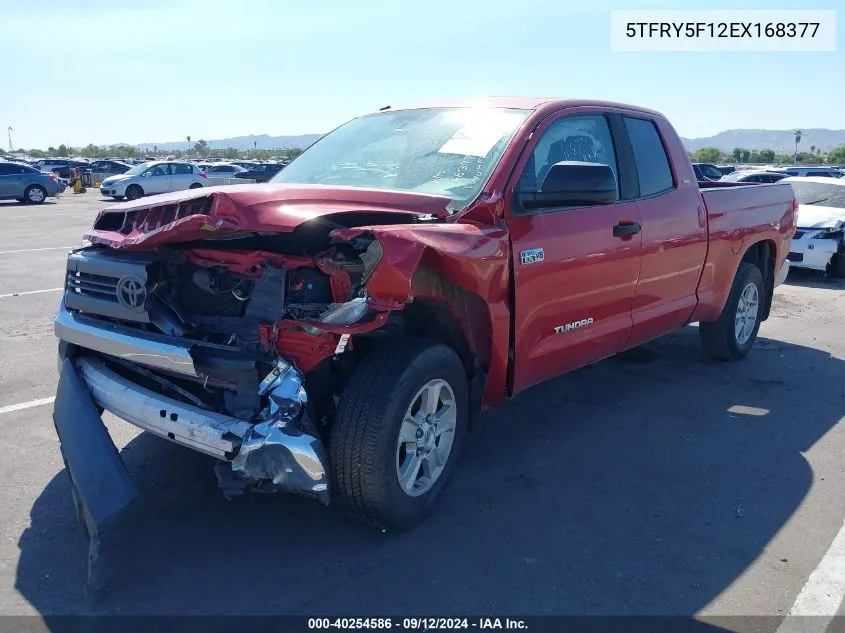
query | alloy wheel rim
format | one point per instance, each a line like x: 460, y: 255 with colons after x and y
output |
x: 746, y: 313
x: 425, y: 438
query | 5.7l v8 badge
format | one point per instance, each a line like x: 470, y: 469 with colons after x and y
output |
x: 531, y: 256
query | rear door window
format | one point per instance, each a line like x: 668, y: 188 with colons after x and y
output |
x: 653, y: 171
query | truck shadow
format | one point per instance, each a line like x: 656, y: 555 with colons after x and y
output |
x: 813, y: 279
x: 629, y: 487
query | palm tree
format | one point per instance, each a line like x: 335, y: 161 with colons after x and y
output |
x: 189, y: 142
x: 797, y: 140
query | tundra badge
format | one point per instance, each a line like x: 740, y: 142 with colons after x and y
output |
x: 563, y: 329
x: 531, y: 256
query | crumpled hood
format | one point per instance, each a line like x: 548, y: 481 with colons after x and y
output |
x: 215, y: 211
x: 815, y: 216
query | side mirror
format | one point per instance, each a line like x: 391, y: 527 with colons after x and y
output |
x: 573, y: 184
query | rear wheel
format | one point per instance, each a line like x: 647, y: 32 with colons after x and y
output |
x: 398, y: 431
x: 732, y: 335
x: 35, y: 194
x: 195, y: 185
x: 133, y: 192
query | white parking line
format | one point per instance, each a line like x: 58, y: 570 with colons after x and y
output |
x: 32, y: 250
x: 26, y: 405
x: 30, y: 292
x: 823, y: 593
x: 81, y: 214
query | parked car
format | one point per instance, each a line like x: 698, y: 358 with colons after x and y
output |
x: 60, y: 166
x: 819, y: 242
x: 223, y: 170
x: 109, y: 166
x: 261, y: 173
x: 823, y: 172
x: 26, y: 184
x: 338, y: 339
x: 710, y: 172
x: 153, y: 178
x: 753, y: 176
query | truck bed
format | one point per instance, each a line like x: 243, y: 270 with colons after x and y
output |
x: 735, y: 214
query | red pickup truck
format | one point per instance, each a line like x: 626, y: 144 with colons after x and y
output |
x: 336, y: 332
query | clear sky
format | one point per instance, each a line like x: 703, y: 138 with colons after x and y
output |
x: 159, y: 70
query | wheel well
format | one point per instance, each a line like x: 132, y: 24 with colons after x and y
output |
x: 762, y: 255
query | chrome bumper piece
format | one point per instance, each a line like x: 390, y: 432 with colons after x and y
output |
x: 278, y: 450
x: 205, y: 431
x: 128, y: 344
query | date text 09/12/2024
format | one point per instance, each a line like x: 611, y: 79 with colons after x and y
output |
x: 417, y: 624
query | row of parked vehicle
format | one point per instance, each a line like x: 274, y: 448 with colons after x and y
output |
x: 732, y: 173
x: 34, y: 181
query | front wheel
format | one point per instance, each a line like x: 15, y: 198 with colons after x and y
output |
x: 836, y: 268
x: 732, y: 335
x: 195, y: 185
x: 133, y: 192
x: 398, y: 431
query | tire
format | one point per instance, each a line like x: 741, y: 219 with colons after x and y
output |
x: 720, y: 339
x: 837, y: 264
x: 133, y: 192
x: 364, y: 447
x: 195, y: 185
x: 35, y: 194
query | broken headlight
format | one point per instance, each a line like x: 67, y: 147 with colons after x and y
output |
x: 828, y: 234
x: 345, y: 313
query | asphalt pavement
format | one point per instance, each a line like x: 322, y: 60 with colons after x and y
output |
x: 652, y: 483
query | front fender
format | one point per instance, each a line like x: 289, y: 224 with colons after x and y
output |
x: 472, y: 257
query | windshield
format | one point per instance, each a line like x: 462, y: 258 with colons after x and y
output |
x: 137, y: 170
x: 441, y: 151
x: 734, y: 176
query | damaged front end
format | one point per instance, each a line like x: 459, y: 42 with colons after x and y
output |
x: 208, y: 348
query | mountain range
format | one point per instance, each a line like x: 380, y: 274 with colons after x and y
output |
x: 782, y: 141
x: 253, y: 141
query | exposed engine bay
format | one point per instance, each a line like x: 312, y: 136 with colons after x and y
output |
x: 230, y: 306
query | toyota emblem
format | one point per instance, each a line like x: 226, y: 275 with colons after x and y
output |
x: 131, y: 293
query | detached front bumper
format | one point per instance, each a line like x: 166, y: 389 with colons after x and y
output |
x: 273, y: 454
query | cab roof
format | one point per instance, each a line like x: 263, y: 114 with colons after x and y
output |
x: 523, y: 103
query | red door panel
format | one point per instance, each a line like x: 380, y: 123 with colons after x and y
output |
x: 586, y: 281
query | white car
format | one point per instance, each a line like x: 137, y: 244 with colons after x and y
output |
x: 153, y: 178
x: 223, y: 170
x: 819, y: 242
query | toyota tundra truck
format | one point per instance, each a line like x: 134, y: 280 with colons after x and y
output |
x: 336, y: 332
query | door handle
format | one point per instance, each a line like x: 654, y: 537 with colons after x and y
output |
x: 626, y: 229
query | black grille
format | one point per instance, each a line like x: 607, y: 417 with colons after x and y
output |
x: 94, y: 286
x: 795, y: 257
